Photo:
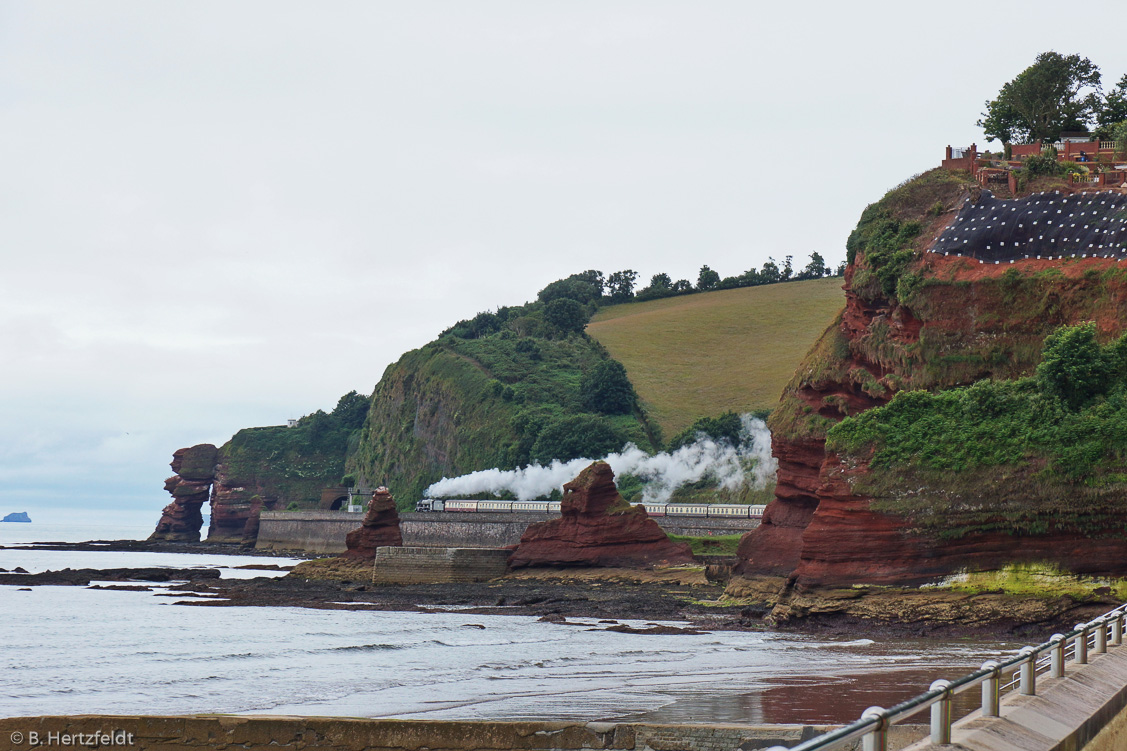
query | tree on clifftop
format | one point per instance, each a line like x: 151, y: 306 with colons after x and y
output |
x: 1055, y: 94
x: 620, y: 285
x: 1114, y: 110
x: 566, y: 314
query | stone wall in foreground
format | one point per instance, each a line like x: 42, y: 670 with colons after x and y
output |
x: 258, y: 733
x: 415, y: 565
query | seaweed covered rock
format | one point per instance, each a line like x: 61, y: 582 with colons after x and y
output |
x: 597, y: 528
x: 380, y: 527
x: 190, y: 488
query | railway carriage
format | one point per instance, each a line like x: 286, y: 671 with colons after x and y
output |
x: 713, y: 510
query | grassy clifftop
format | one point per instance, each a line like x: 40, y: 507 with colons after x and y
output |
x: 710, y: 353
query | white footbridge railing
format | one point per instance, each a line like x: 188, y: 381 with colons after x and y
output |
x: 1016, y: 673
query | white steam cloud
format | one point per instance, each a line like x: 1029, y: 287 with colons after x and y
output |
x: 729, y: 466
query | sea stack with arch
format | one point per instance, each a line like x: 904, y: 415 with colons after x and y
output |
x: 190, y: 487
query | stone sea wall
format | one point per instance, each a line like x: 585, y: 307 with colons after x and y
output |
x: 250, y: 733
x: 324, y: 531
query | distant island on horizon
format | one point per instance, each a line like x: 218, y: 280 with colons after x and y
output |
x: 17, y: 516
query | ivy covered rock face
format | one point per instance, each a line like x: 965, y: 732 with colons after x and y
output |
x: 995, y: 481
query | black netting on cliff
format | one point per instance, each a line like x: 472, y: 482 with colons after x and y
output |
x: 1044, y: 225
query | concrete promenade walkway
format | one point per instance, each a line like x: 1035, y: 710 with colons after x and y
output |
x: 1086, y: 709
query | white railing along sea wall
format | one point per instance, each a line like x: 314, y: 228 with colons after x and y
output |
x: 1015, y: 673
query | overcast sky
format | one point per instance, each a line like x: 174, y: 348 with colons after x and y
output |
x: 218, y: 215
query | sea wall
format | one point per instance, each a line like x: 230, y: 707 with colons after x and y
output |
x: 251, y: 733
x: 324, y: 531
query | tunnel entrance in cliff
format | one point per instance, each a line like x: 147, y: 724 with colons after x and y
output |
x: 335, y: 499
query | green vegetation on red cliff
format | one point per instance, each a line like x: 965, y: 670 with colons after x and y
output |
x: 1040, y: 454
x: 502, y: 400
x: 290, y: 465
x: 979, y: 463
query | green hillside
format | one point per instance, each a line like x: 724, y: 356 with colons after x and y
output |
x: 499, y: 400
x: 709, y: 353
x: 527, y: 384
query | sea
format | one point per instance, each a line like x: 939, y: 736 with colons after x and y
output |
x: 73, y: 650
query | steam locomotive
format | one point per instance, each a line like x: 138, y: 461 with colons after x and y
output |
x: 714, y: 510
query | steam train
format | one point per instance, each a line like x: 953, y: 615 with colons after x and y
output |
x: 714, y: 510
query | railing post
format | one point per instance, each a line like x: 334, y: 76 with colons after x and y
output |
x: 877, y: 739
x: 941, y: 714
x: 1081, y: 652
x: 991, y: 690
x: 1117, y: 630
x: 1027, y: 686
x: 1101, y: 637
x: 1057, y: 655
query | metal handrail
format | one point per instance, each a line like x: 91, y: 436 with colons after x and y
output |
x: 1093, y: 637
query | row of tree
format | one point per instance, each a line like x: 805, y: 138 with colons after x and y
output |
x: 593, y: 287
x: 564, y: 307
x: 1058, y: 93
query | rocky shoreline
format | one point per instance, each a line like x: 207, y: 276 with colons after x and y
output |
x: 681, y: 593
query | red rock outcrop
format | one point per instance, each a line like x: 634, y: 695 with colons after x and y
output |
x: 190, y: 488
x: 380, y: 527
x: 597, y: 528
x: 966, y: 320
x: 235, y: 509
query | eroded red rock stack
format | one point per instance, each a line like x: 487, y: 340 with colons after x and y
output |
x: 380, y: 527
x: 190, y: 488
x: 597, y: 528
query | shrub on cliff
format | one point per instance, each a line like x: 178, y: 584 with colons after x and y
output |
x: 1071, y: 418
x: 606, y: 389
x: 884, y: 243
x: 567, y: 315
x: 1075, y: 368
x: 576, y: 436
x: 726, y: 427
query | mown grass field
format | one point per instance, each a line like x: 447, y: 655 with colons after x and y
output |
x: 702, y: 355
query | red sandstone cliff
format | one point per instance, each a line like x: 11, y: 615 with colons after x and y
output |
x: 962, y: 321
x: 380, y: 527
x: 597, y: 528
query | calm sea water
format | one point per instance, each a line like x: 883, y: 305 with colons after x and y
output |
x: 70, y: 650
